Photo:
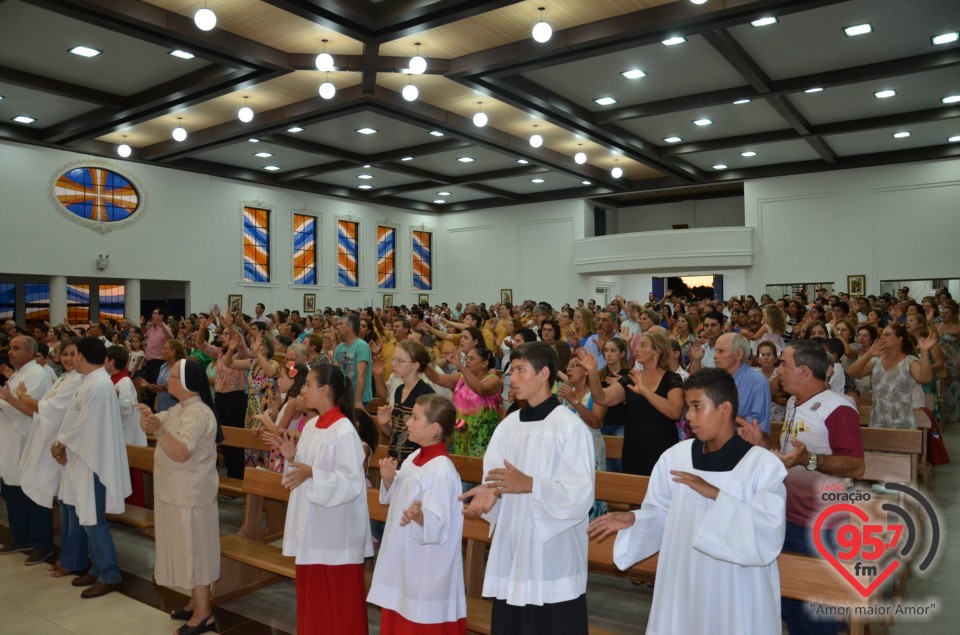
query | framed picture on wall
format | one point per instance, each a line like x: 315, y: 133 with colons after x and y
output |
x: 309, y: 302
x: 235, y: 303
x: 856, y: 285
x: 423, y: 298
x: 387, y: 300
x: 506, y: 295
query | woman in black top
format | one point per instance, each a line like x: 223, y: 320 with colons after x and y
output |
x: 654, y: 399
x: 410, y: 359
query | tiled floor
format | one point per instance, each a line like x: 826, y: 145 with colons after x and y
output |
x: 32, y: 603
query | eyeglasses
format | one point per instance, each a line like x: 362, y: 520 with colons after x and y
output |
x: 766, y: 355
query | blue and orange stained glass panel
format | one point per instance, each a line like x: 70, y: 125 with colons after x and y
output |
x: 112, y: 299
x: 78, y: 303
x: 8, y: 300
x: 256, y: 244
x: 423, y: 260
x: 386, y: 257
x: 304, y: 249
x: 348, y: 269
x: 97, y: 194
x: 38, y: 302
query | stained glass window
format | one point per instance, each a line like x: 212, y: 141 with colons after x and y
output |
x: 38, y: 302
x: 304, y: 249
x: 386, y: 257
x: 8, y: 300
x: 423, y: 260
x: 348, y: 268
x: 112, y: 298
x: 97, y: 194
x: 256, y: 244
x: 78, y: 303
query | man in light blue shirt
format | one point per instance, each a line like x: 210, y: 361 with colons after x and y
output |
x: 731, y: 354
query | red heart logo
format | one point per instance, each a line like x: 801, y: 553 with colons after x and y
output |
x: 865, y: 591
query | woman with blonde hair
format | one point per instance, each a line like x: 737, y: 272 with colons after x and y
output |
x: 772, y: 329
x: 654, y: 397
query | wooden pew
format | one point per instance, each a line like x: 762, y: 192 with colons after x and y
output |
x: 140, y: 458
x: 238, y: 438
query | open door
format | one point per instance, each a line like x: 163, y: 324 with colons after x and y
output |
x: 718, y: 287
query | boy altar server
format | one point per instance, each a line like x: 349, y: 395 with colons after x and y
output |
x: 537, y: 491
x: 715, y: 509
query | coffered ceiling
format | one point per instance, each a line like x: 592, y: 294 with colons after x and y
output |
x: 755, y: 85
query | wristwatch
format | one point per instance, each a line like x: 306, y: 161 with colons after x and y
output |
x: 812, y: 463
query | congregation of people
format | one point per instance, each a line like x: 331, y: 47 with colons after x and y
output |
x: 693, y: 387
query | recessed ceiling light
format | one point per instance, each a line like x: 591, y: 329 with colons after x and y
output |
x: 364, y: 186
x: 748, y: 154
x: 673, y: 139
x: 903, y: 134
x: 407, y: 159
x: 945, y: 38
x: 740, y: 102
x: 439, y: 201
x: 443, y: 193
x: 605, y: 101
x: 702, y: 122
x: 24, y: 119
x: 365, y: 176
x: 1, y: 97
x: 436, y: 133
x: 815, y: 89
x: 537, y: 181
x: 263, y: 155
x: 366, y: 166
x: 367, y: 131
x: 767, y: 21
x: 885, y: 94
x: 858, y: 29
x: 586, y: 183
x: 635, y: 73
x: 954, y: 138
x: 522, y: 161
x: 950, y: 99
x: 184, y: 55
x: 271, y: 168
x: 295, y: 129
x: 673, y: 41
x: 85, y: 51
x: 254, y: 140
x: 466, y: 159
x: 720, y: 166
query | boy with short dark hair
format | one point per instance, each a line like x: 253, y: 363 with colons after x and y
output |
x: 537, y: 491
x: 715, y: 509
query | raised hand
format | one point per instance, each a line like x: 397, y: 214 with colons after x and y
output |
x: 927, y: 342
x: 587, y: 360
x: 384, y: 415
x: 388, y: 469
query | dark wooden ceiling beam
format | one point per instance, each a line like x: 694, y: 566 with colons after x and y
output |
x: 371, y: 53
x: 422, y: 150
x: 417, y: 173
x: 828, y: 79
x: 354, y: 63
x: 531, y: 97
x: 422, y: 114
x: 496, y: 192
x: 627, y: 31
x: 165, y: 28
x: 351, y: 20
x: 305, y: 112
x: 402, y: 189
x: 176, y: 94
x: 59, y: 88
x: 496, y: 175
x: 735, y: 55
x: 315, y: 170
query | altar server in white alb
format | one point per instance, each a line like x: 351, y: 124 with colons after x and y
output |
x: 95, y: 477
x: 537, y: 492
x: 715, y: 509
x: 327, y: 529
x: 30, y: 524
x: 419, y: 576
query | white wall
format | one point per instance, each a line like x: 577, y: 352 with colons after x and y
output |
x: 527, y: 248
x: 897, y: 222
x: 714, y: 212
x: 191, y: 231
